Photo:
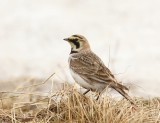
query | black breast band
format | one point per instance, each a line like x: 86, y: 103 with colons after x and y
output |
x: 73, y: 52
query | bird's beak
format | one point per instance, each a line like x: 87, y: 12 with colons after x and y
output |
x: 66, y: 39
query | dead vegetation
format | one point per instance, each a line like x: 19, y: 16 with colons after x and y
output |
x: 69, y: 105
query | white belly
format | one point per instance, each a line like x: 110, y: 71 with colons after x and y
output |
x: 80, y: 80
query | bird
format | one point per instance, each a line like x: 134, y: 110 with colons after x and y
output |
x: 89, y: 71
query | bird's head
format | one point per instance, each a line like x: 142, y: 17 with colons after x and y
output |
x: 78, y: 43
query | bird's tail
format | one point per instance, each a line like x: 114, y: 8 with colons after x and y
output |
x: 120, y: 88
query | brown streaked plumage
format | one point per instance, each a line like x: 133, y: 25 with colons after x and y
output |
x: 89, y: 71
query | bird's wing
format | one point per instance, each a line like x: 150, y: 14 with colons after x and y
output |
x: 91, y: 67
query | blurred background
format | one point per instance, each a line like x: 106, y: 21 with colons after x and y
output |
x: 124, y: 33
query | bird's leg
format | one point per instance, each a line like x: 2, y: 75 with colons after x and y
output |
x: 99, y: 94
x: 86, y: 91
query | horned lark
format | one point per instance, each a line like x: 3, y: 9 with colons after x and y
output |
x: 89, y: 71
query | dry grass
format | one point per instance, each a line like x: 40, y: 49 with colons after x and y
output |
x: 69, y: 106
